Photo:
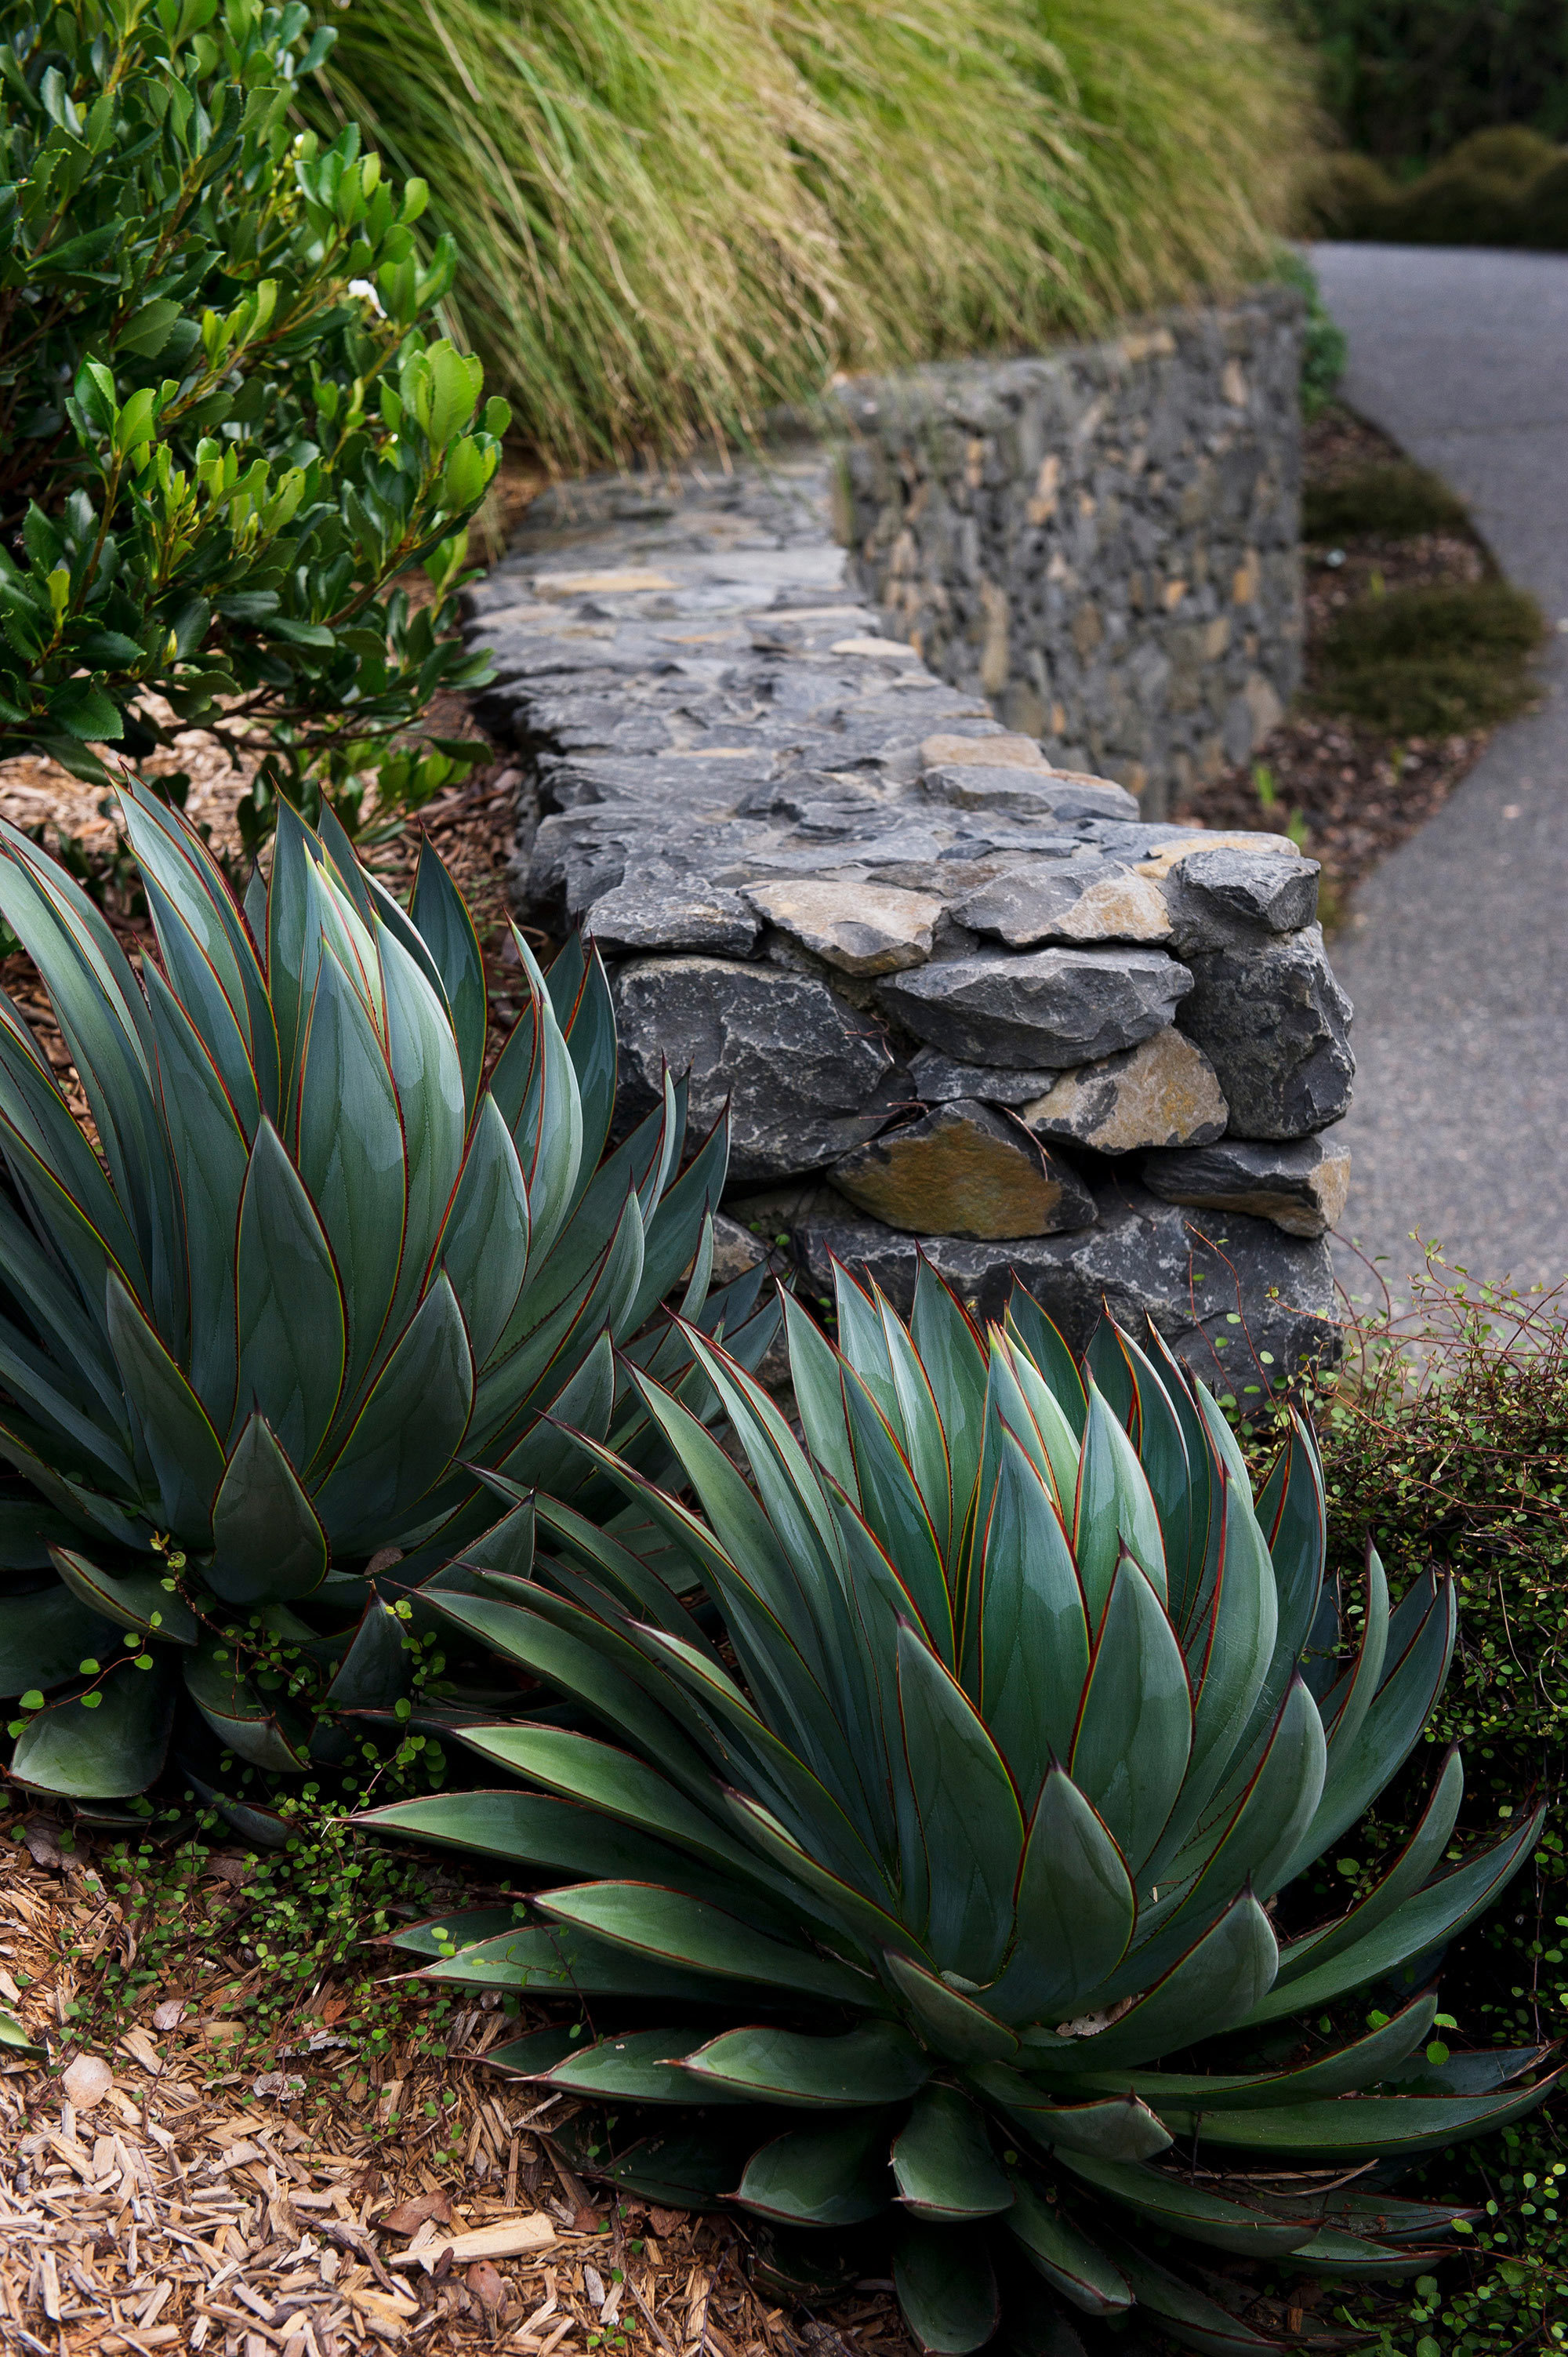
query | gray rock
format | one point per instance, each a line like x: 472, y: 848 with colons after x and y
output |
x: 964, y: 1171
x: 736, y: 1250
x: 1142, y: 1259
x: 1300, y: 1184
x: 1218, y: 898
x: 860, y: 928
x: 938, y: 1079
x: 1034, y: 901
x: 991, y: 748
x: 660, y: 908
x: 1052, y: 1008
x: 1017, y: 792
x: 802, y: 1070
x: 1162, y: 1093
x: 1277, y: 1026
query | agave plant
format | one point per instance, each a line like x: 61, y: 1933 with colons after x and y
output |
x: 962, y: 1791
x: 301, y: 1265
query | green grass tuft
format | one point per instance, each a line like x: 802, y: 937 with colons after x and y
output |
x: 1434, y: 662
x: 675, y: 213
x: 1397, y: 501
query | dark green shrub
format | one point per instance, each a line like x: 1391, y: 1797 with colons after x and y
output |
x: 1434, y: 662
x: 1406, y: 79
x: 1457, y: 205
x: 224, y: 429
x: 1395, y: 501
x: 1325, y: 348
x: 1453, y: 1450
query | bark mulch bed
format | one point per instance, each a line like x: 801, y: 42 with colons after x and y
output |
x: 1350, y: 793
x: 187, y: 2173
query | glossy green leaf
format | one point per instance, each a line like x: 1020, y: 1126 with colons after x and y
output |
x: 291, y: 1328
x: 946, y: 2286
x: 1055, y: 2243
x: 879, y: 2063
x: 107, y: 1753
x: 137, y: 1600
x: 943, y: 2163
x: 671, y: 1928
x: 822, y: 2177
x: 973, y: 1830
x: 1135, y: 1733
x: 440, y: 912
x: 267, y: 1539
x: 43, y: 1637
x: 185, y: 1453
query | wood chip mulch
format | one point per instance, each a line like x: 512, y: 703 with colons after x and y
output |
x: 153, y: 2196
x: 1359, y: 793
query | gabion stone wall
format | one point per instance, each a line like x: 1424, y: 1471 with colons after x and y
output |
x: 959, y: 998
x: 1102, y: 541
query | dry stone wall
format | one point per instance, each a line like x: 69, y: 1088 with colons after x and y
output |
x: 1103, y: 540
x: 959, y: 998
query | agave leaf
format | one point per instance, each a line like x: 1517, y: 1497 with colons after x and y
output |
x: 1191, y: 2210
x: 949, y: 1347
x: 1050, y: 1354
x: 673, y: 1928
x: 820, y: 2177
x: 604, y: 1777
x: 1219, y: 1983
x: 1076, y: 1909
x: 1331, y: 2252
x: 833, y: 1900
x: 676, y: 1223
x: 56, y: 1171
x: 483, y: 1245
x: 970, y: 1820
x: 138, y: 1600
x: 947, y: 2287
x: 1030, y: 1634
x: 15, y: 2040
x: 533, y: 1829
x: 1230, y: 1651
x: 407, y: 1432
x: 953, y: 2022
x: 1134, y: 1730
x: 374, y: 1670
x: 1348, y: 1703
x: 878, y: 2064
x: 1474, y: 2073
x: 569, y: 1962
x: 348, y: 1149
x: 568, y: 1657
x: 1113, y: 1513
x: 1413, y: 1928
x: 1120, y: 2128
x: 238, y: 1717
x: 1344, y: 2071
x: 1292, y: 1514
x: 211, y: 1149
x: 441, y: 914
x: 436, y: 1933
x: 267, y: 1539
x: 26, y: 1372
x: 1373, y: 2127
x: 580, y: 994
x: 643, y: 2068
x: 1057, y: 2246
x: 106, y: 1753
x: 292, y: 1325
x: 547, y: 1128
x: 943, y: 2163
x: 1195, y: 2321
x: 1422, y: 1854
x: 818, y: 1382
x: 423, y: 1054
x: 43, y: 1637
x: 1188, y: 1571
x: 293, y: 941
x: 187, y: 1454
x: 1415, y: 1673
x: 549, y: 1455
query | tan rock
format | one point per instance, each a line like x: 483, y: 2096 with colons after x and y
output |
x: 1160, y: 862
x: 859, y: 927
x: 1037, y: 901
x: 889, y: 649
x: 1004, y: 752
x: 1299, y: 1183
x: 587, y: 585
x: 1162, y: 1093
x: 963, y: 1170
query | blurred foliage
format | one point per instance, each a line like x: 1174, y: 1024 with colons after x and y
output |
x: 1434, y: 661
x: 1407, y: 80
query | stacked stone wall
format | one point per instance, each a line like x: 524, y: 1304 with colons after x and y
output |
x: 1104, y: 542
x: 960, y: 997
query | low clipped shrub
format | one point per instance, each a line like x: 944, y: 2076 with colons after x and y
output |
x: 1398, y: 501
x: 1506, y: 186
x: 1434, y: 661
x: 227, y: 431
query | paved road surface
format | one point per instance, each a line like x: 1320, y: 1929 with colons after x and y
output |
x: 1456, y: 952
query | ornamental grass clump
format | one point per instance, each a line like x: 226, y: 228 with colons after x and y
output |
x: 310, y: 1261
x: 930, y: 1840
x: 226, y: 427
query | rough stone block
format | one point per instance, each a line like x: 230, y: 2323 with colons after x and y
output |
x: 1026, y: 792
x: 1051, y: 1007
x: 1277, y: 1026
x: 858, y: 928
x: 1142, y: 1259
x: 938, y: 1079
x: 1299, y: 1183
x: 802, y: 1072
x: 999, y: 749
x: 1040, y: 901
x: 663, y: 909
x: 1231, y: 896
x: 1162, y: 1093
x: 964, y: 1171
